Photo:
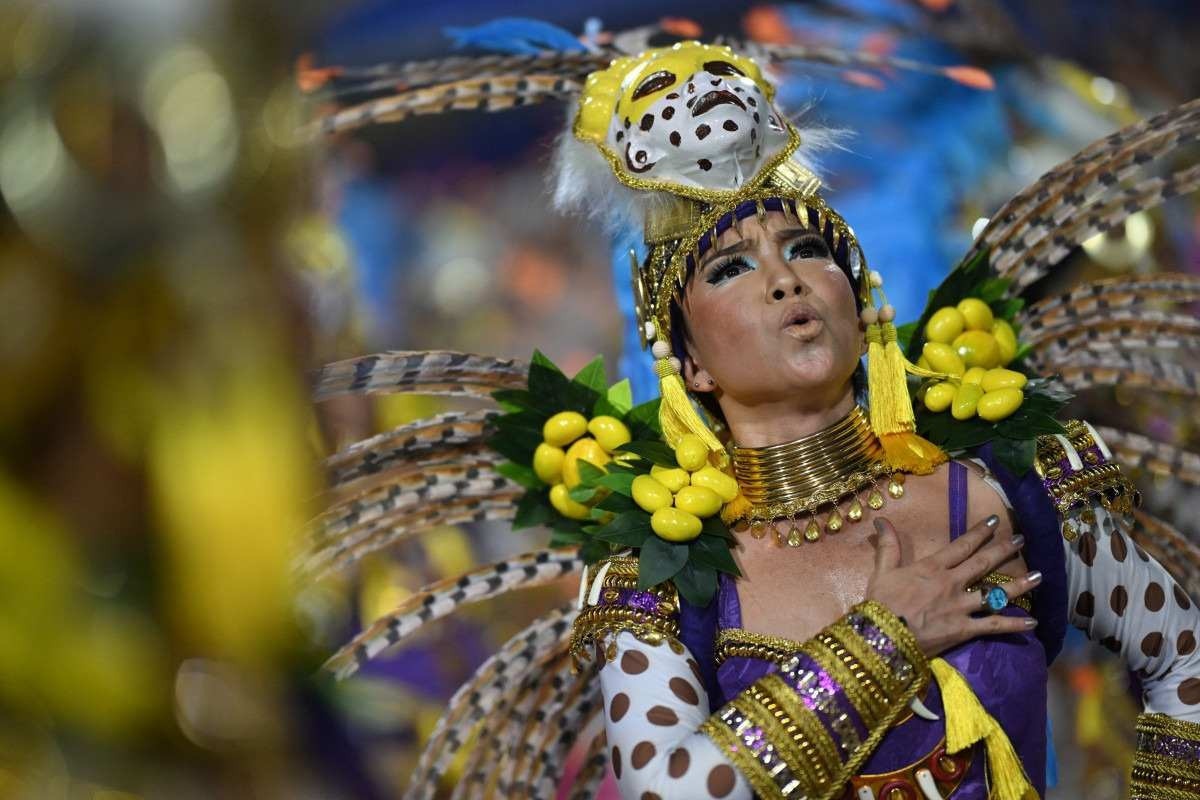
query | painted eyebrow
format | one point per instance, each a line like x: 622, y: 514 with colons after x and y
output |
x: 795, y: 233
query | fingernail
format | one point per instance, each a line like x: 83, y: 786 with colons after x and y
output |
x: 1031, y: 623
x: 992, y: 521
x: 1034, y: 577
x: 1018, y: 540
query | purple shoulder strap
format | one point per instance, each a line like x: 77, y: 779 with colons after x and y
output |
x: 958, y: 500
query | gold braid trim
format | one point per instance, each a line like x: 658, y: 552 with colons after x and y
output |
x: 880, y: 689
x: 1166, y: 763
x: 595, y: 624
x: 1098, y: 480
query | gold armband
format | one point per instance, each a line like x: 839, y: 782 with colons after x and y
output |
x: 806, y: 729
x: 1166, y: 765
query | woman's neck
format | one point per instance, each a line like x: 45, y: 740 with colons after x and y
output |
x: 761, y: 425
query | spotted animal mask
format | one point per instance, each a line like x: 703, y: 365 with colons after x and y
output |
x: 695, y: 120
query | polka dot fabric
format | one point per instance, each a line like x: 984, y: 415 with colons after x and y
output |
x: 654, y: 705
x: 1127, y: 602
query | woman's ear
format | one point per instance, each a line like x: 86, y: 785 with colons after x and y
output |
x: 695, y: 376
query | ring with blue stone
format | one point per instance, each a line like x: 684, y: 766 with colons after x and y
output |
x: 994, y: 599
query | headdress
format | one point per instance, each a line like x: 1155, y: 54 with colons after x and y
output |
x: 693, y: 138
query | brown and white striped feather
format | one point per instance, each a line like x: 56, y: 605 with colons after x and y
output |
x: 1116, y: 295
x: 575, y: 721
x: 411, y: 443
x: 1054, y: 243
x: 481, y: 773
x: 1179, y: 333
x: 419, y: 371
x: 1135, y: 451
x: 1129, y: 370
x: 478, y: 455
x: 478, y: 697
x: 1058, y: 192
x: 413, y: 74
x: 831, y: 56
x: 338, y: 556
x: 489, y: 93
x: 1169, y: 547
x: 347, y: 524
x: 595, y: 766
x: 444, y: 597
x: 1067, y: 323
x: 551, y: 701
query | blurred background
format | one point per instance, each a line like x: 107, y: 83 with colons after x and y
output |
x: 177, y: 256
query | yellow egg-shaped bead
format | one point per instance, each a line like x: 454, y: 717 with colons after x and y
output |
x: 996, y: 405
x: 590, y: 451
x: 944, y: 325
x: 965, y: 400
x: 698, y: 500
x: 943, y: 358
x: 1000, y: 378
x: 548, y: 462
x: 977, y: 314
x: 649, y: 494
x: 673, y: 478
x: 691, y: 453
x: 974, y: 375
x: 977, y: 349
x: 923, y: 362
x: 1006, y: 340
x: 564, y: 428
x: 939, y: 396
x: 560, y: 498
x: 712, y: 478
x: 675, y: 525
x: 610, y: 432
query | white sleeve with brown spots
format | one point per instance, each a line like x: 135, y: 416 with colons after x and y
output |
x: 1126, y: 601
x: 655, y: 704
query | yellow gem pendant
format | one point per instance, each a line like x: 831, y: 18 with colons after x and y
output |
x: 855, y: 512
x: 896, y: 490
x: 793, y: 538
x: 875, y: 500
x: 834, y: 523
x: 812, y: 531
x: 758, y: 530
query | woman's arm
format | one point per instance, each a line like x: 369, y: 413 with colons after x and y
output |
x: 1122, y: 598
x: 801, y: 731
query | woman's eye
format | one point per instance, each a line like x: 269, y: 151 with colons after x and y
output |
x: 807, y: 248
x: 729, y: 269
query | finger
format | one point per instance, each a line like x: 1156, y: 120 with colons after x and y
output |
x: 987, y: 559
x: 998, y: 624
x: 961, y: 548
x: 887, y: 546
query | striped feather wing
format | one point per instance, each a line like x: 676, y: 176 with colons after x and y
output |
x: 442, y: 372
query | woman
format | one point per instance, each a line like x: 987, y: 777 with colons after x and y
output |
x: 904, y: 663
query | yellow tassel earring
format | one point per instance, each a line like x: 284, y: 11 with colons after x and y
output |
x: 891, y: 407
x: 677, y: 416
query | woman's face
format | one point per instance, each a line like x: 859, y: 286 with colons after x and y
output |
x: 771, y: 317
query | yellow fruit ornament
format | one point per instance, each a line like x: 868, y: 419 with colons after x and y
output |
x: 939, y: 396
x: 587, y: 449
x: 698, y: 500
x: 610, y: 432
x: 977, y: 349
x: 996, y: 405
x: 560, y: 498
x: 943, y: 358
x: 675, y: 525
x: 976, y: 313
x: 548, y: 462
x: 650, y: 494
x: 691, y: 453
x: 564, y: 428
x: 945, y: 324
x: 712, y: 478
x: 1006, y: 340
x: 673, y: 478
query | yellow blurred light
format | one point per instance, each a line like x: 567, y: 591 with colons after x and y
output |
x: 283, y: 117
x: 39, y: 39
x: 32, y: 159
x: 385, y: 586
x: 1121, y: 248
x: 191, y: 107
x: 448, y: 550
x: 1103, y: 90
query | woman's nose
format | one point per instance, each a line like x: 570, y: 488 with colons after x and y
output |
x: 784, y: 282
